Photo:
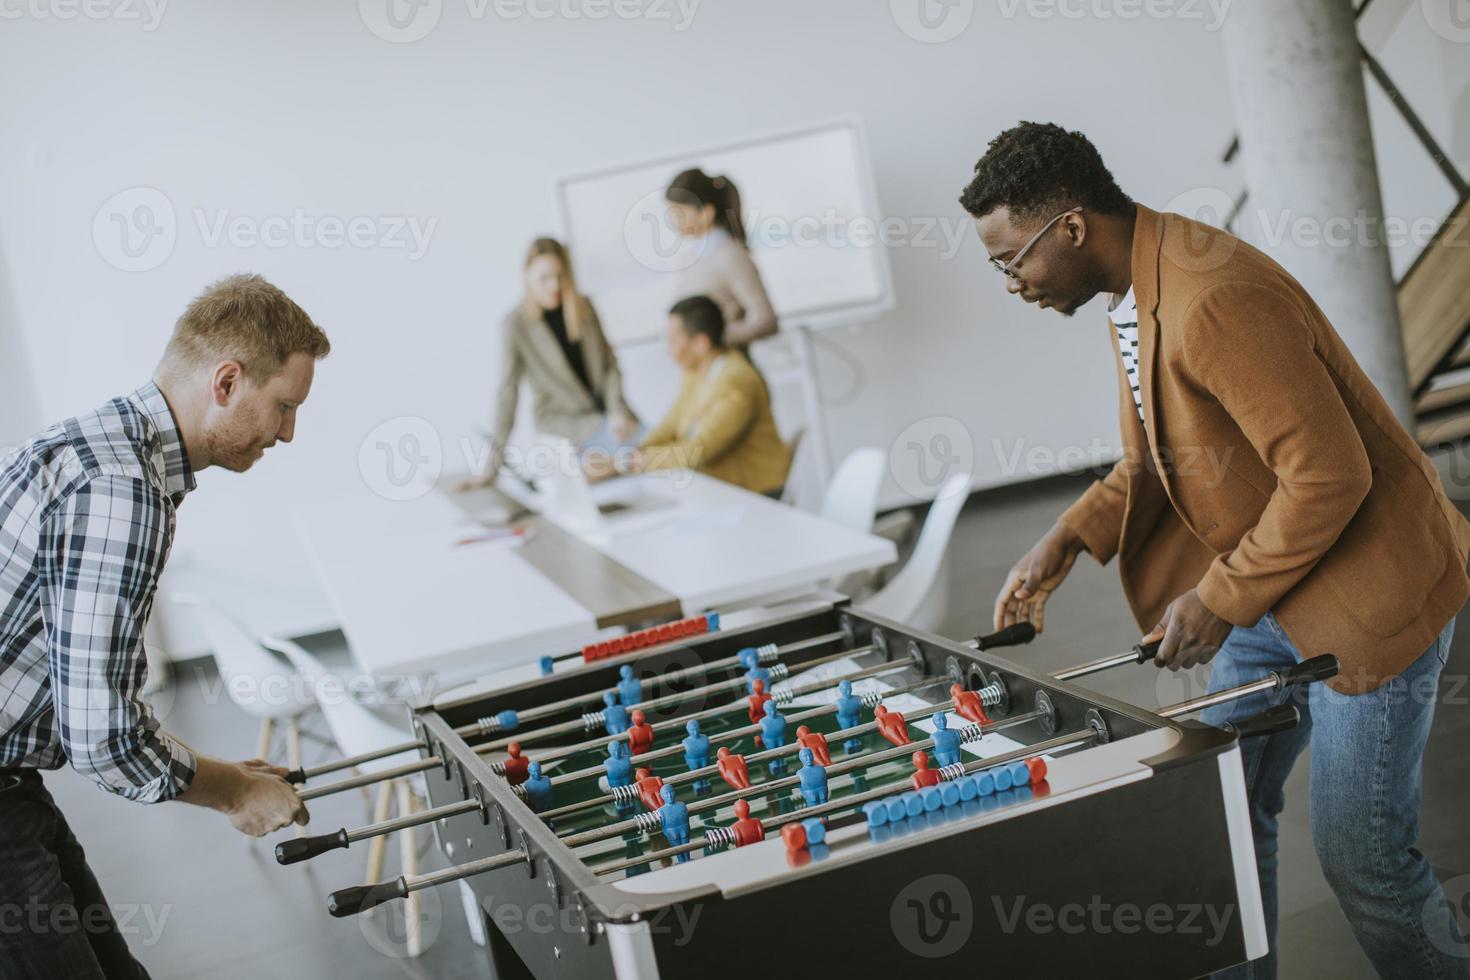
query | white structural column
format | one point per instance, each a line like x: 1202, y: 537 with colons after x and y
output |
x: 1296, y: 80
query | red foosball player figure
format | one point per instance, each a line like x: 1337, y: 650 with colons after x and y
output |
x: 923, y: 775
x: 815, y: 741
x: 732, y: 768
x: 747, y: 829
x: 891, y: 725
x: 758, y: 702
x: 640, y: 734
x: 515, y: 765
x: 650, y: 789
x: 967, y: 704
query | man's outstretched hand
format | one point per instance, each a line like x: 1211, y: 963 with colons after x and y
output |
x: 1036, y: 576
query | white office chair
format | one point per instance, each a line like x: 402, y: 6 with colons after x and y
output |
x: 358, y: 731
x: 801, y: 475
x: 852, y: 497
x: 256, y: 680
x: 917, y: 595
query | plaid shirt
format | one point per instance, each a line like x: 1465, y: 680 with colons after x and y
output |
x: 86, y: 522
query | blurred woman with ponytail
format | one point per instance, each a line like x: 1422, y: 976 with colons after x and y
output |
x: 553, y: 339
x: 709, y: 208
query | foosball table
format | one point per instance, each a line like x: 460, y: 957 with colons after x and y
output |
x: 826, y: 790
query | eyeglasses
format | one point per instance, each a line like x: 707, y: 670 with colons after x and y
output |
x: 1006, y: 268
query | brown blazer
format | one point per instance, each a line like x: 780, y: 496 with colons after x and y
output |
x: 1272, y: 475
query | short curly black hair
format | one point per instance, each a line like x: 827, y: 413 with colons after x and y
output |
x: 1037, y: 169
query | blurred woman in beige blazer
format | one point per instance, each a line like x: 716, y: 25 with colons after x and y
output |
x: 554, y: 340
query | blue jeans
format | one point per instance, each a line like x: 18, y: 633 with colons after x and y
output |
x: 1367, y: 751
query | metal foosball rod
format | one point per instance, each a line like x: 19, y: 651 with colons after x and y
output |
x: 670, y: 751
x: 359, y: 898
x: 648, y: 821
x: 368, y: 778
x: 1019, y: 633
x: 1139, y: 654
x: 431, y: 762
x: 780, y: 696
x: 870, y: 700
x: 489, y: 724
x: 300, y: 849
x: 499, y: 722
x: 1275, y: 719
x: 355, y: 899
x: 1011, y: 635
x: 592, y: 720
x: 1279, y: 718
x: 768, y: 654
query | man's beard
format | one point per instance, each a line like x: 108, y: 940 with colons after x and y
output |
x: 228, y: 447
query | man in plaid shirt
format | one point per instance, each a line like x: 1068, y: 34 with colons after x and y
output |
x: 86, y: 522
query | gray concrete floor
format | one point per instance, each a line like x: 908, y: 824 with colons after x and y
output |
x: 219, y: 906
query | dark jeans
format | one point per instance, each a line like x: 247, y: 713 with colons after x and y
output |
x: 54, y: 921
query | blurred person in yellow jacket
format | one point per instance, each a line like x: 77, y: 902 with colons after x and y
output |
x: 721, y: 423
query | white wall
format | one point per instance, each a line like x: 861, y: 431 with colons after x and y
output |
x: 261, y: 109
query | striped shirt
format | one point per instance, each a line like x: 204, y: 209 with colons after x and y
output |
x: 1124, y: 317
x: 86, y: 522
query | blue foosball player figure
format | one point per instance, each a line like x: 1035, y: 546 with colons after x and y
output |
x: 618, y: 765
x: 614, y: 716
x: 538, y: 789
x: 946, y: 741
x: 673, y: 816
x: 750, y: 660
x: 630, y: 689
x: 849, y: 714
x: 773, y: 733
x: 696, y: 746
x: 813, y: 779
x: 696, y: 752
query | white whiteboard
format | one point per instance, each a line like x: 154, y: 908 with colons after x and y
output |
x: 811, y: 215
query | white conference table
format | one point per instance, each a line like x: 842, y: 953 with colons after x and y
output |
x: 413, y: 602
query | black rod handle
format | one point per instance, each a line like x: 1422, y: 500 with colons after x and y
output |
x: 1147, y: 651
x: 1316, y: 669
x: 1281, y: 718
x: 300, y: 848
x: 1013, y: 635
x: 360, y: 898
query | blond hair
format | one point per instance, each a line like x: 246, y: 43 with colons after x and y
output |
x: 244, y: 318
x: 573, y: 306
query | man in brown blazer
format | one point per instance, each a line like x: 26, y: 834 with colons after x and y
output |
x: 1268, y: 507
